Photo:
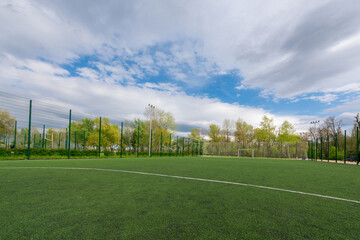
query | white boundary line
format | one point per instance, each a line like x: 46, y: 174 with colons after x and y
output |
x: 190, y: 178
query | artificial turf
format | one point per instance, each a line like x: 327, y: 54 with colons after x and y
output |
x: 85, y: 204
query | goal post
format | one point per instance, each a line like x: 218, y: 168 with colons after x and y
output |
x: 246, y: 150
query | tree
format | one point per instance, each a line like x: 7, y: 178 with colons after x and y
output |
x: 110, y: 135
x: 266, y: 132
x: 143, y: 137
x: 357, y: 120
x: 287, y: 133
x: 227, y: 128
x: 215, y: 133
x: 333, y: 126
x: 6, y: 123
x: 162, y: 123
x: 244, y: 132
x: 195, y: 133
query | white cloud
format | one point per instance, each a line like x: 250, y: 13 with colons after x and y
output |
x: 206, y: 37
x: 89, y: 95
x: 326, y: 98
x: 240, y: 87
x: 286, y: 48
x: 345, y: 43
x: 350, y: 105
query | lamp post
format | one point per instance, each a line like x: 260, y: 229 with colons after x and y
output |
x: 150, y: 135
x: 315, y: 133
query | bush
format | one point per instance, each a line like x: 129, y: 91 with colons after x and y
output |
x: 47, y: 152
x: 332, y: 153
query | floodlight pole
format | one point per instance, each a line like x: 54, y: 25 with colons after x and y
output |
x: 315, y: 134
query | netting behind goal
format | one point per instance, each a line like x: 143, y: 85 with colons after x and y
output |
x: 242, y: 152
x: 260, y: 149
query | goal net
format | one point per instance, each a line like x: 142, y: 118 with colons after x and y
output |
x: 245, y: 151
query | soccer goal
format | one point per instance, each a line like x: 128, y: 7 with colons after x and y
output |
x: 246, y: 150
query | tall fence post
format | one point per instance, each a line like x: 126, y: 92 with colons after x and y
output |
x: 99, y: 137
x: 345, y: 148
x: 150, y: 142
x: 308, y: 150
x: 121, y: 141
x: 357, y: 145
x: 177, y: 145
x: 15, y: 134
x: 75, y: 139
x: 69, y: 148
x: 59, y: 140
x: 138, y: 142
x: 66, y: 138
x: 199, y: 147
x: 84, y: 140
x: 188, y: 140
x: 170, y: 145
x: 160, y: 144
x: 321, y: 150
x: 336, y: 147
x: 316, y: 149
x: 29, y: 133
x: 192, y: 145
x: 43, y: 137
x: 183, y: 151
x: 328, y: 148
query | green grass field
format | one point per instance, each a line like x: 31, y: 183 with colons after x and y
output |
x: 45, y: 203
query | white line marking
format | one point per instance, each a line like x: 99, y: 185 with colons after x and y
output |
x: 190, y: 178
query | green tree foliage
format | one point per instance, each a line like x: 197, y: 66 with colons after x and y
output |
x: 6, y: 124
x: 143, y: 135
x: 110, y: 135
x: 287, y: 133
x: 266, y: 132
x: 195, y: 133
x: 215, y: 133
x: 243, y: 132
x: 162, y: 122
x: 227, y: 129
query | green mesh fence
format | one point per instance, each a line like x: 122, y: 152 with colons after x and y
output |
x: 42, y: 129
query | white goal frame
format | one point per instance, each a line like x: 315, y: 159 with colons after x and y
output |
x: 248, y: 149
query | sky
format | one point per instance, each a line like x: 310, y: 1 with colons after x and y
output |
x: 201, y: 60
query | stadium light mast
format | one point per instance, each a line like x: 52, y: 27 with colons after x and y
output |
x: 152, y: 107
x: 315, y: 135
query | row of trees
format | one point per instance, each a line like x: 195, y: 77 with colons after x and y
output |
x: 241, y: 131
x: 331, y: 128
